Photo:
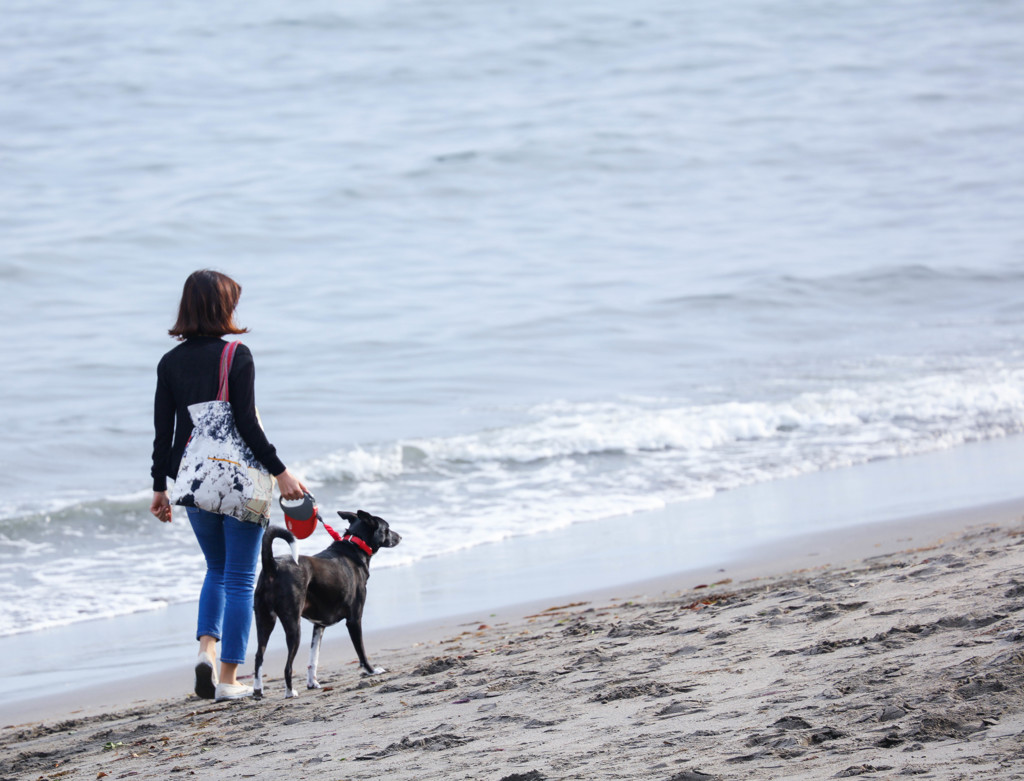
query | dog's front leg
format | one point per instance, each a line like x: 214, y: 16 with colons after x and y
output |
x: 355, y: 631
x: 314, y: 657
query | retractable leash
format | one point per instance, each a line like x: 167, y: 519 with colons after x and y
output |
x: 301, y: 517
x: 361, y: 544
x: 330, y: 531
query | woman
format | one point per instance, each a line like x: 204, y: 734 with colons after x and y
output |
x: 186, y: 375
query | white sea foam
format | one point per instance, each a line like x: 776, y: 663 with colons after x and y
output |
x: 573, y: 463
x: 810, y: 431
x: 357, y: 465
x: 565, y: 463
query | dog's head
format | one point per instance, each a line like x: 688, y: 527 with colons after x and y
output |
x: 372, y: 530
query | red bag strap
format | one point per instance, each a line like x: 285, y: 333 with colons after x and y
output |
x: 227, y: 355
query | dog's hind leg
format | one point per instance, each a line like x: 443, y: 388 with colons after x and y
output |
x: 293, y: 636
x: 314, y: 657
x: 265, y: 622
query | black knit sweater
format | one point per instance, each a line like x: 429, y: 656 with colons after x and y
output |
x: 189, y: 374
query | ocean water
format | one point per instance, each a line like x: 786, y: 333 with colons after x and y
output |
x: 508, y: 268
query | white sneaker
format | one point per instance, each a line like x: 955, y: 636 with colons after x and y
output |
x: 206, y: 677
x: 232, y: 691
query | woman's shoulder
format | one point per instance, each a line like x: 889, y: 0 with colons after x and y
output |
x: 242, y: 358
x: 188, y: 350
x: 242, y: 351
x: 172, y: 355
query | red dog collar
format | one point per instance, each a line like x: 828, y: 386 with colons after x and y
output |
x: 361, y: 544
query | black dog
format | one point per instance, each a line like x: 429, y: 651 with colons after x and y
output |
x: 324, y: 588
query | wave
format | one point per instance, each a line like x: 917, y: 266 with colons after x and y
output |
x: 578, y: 462
x: 14, y: 516
x: 565, y: 463
x: 904, y: 286
x: 815, y: 429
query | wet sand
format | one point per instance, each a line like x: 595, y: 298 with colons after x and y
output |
x: 882, y: 651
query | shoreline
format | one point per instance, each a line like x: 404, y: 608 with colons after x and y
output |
x: 878, y: 651
x: 834, y: 547
x: 82, y: 663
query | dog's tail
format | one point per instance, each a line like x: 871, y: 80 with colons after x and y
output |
x: 267, y: 553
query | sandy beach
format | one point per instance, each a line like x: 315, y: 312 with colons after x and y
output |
x: 901, y: 654
x: 682, y: 345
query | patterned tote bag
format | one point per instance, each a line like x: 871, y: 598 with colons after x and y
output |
x: 218, y: 471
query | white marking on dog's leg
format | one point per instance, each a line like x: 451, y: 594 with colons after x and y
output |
x: 314, y: 658
x: 257, y: 682
x: 295, y: 551
x: 291, y: 693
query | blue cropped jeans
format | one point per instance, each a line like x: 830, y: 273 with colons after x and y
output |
x: 231, y: 548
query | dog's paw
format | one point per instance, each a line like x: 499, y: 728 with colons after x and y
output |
x: 257, y: 694
x: 314, y: 685
x: 379, y: 671
x: 291, y: 693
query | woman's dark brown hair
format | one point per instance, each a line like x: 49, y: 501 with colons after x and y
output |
x: 207, y: 306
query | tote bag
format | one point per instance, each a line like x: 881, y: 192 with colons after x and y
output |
x: 218, y: 471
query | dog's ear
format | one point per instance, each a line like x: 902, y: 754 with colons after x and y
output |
x: 350, y: 517
x: 370, y: 519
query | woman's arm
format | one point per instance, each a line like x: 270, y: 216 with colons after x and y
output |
x: 241, y: 391
x: 163, y: 423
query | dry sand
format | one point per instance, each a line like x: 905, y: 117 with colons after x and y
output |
x: 909, y: 663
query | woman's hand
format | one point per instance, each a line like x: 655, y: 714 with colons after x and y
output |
x: 161, y: 506
x: 290, y: 486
